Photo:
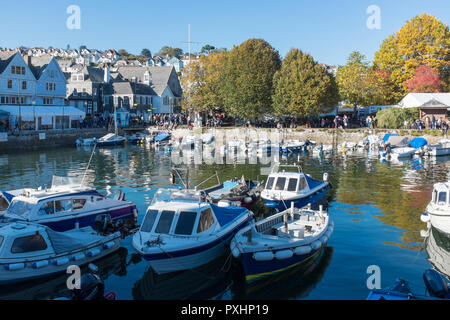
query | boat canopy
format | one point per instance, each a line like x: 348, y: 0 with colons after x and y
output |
x: 162, y: 136
x: 398, y: 141
x: 65, y: 242
x: 388, y: 135
x: 227, y: 214
x: 418, y: 142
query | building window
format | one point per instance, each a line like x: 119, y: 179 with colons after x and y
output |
x: 9, y: 84
x: 2, y: 100
x: 13, y: 70
x: 23, y: 70
x: 24, y: 85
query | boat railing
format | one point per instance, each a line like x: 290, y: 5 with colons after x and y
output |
x: 276, y: 167
x: 201, y: 183
x: 267, y: 224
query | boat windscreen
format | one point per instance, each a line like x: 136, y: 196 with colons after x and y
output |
x: 65, y: 181
x: 20, y: 208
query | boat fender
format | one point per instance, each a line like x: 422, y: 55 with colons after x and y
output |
x: 302, y: 250
x: 316, y: 245
x: 425, y: 217
x: 40, y: 264
x: 236, y: 253
x: 78, y: 256
x: 284, y: 254
x: 93, y: 252
x: 15, y: 266
x: 324, y: 239
x: 135, y: 213
x: 108, y: 245
x: 263, y: 256
x: 60, y: 261
x: 248, y: 200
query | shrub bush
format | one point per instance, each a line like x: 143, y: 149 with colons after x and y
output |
x: 394, y: 118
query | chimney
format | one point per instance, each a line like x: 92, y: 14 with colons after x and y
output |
x: 107, y: 75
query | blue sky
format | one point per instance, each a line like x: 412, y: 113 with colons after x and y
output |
x: 327, y: 29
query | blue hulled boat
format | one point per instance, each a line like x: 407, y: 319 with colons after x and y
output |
x: 69, y: 204
x: 281, y: 242
x: 283, y: 188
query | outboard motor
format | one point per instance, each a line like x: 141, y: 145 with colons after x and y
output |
x: 435, y: 283
x: 102, y: 223
x: 91, y: 288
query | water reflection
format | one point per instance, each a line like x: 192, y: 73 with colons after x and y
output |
x: 438, y: 250
x: 205, y: 282
x: 296, y: 283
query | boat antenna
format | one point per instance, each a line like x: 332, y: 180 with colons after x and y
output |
x: 89, y: 163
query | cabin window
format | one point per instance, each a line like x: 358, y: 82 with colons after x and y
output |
x: 292, y: 185
x: 165, y: 221
x: 269, y: 184
x: 442, y: 197
x: 302, y: 184
x: 206, y: 220
x: 149, y: 221
x: 185, y: 223
x: 280, y: 184
x: 29, y: 244
x: 47, y: 208
x: 78, y: 204
x: 63, y: 205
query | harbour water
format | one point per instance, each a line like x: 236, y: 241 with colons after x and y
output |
x: 375, y: 206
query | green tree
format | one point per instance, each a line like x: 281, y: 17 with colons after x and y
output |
x: 423, y: 40
x: 303, y: 87
x: 146, y: 53
x: 206, y: 49
x: 82, y: 47
x: 123, y: 53
x: 248, y: 79
x: 202, y: 83
x: 351, y: 80
x: 171, y: 52
x: 394, y: 118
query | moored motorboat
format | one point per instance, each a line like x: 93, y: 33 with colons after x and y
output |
x: 286, y: 187
x: 281, y: 241
x: 441, y: 148
x: 437, y: 212
x: 68, y: 204
x: 402, y: 152
x: 180, y: 231
x: 31, y: 251
x: 83, y: 142
x: 110, y: 139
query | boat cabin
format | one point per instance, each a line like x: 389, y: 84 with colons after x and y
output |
x: 37, y: 204
x: 21, y: 240
x: 440, y: 196
x: 287, y: 181
x: 179, y: 219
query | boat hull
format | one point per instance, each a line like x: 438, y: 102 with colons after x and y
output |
x: 110, y: 143
x: 257, y: 270
x: 166, y: 262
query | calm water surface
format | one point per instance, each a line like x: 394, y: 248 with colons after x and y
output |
x: 376, y: 208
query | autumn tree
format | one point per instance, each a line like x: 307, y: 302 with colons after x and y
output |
x: 303, y: 87
x: 248, y: 78
x: 423, y: 40
x: 202, y: 83
x: 425, y: 79
x: 380, y: 88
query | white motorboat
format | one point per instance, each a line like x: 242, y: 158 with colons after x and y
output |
x: 281, y: 241
x: 67, y: 204
x: 29, y: 251
x: 322, y: 149
x: 110, y: 139
x: 402, y: 152
x: 181, y: 231
x: 437, y: 212
x: 442, y: 148
x: 284, y: 187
